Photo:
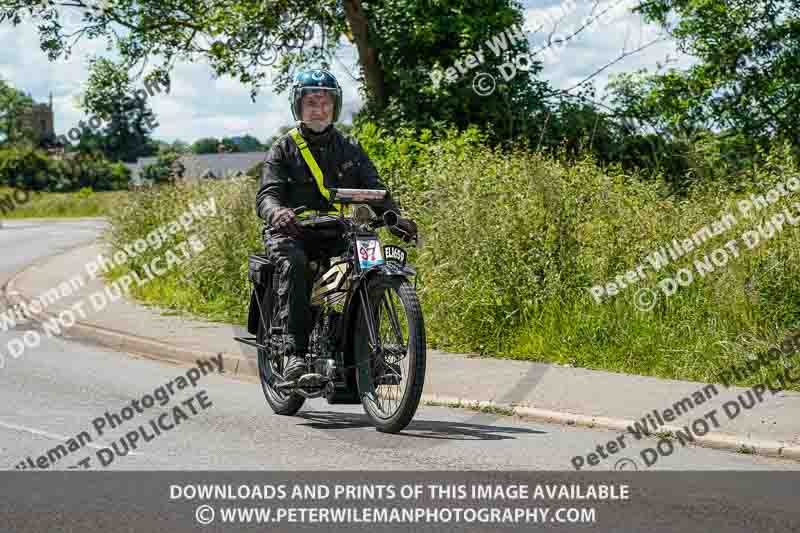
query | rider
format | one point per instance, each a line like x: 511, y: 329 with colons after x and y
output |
x: 315, y: 151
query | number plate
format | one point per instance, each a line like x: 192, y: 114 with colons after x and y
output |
x: 395, y: 254
x: 369, y: 252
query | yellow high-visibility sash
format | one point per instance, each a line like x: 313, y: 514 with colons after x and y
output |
x: 315, y: 170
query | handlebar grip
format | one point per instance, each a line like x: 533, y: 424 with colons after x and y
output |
x: 390, y: 218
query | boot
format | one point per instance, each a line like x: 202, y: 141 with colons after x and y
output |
x: 295, y: 367
x: 296, y: 364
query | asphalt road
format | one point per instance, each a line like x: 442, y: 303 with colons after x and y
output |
x: 54, y: 392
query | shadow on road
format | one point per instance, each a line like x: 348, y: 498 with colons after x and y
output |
x: 425, y: 429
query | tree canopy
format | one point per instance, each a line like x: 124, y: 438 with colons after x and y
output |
x: 13, y: 103
x: 398, y: 44
x: 127, y: 121
x: 745, y: 78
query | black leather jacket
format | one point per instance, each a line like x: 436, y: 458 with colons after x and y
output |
x: 288, y: 182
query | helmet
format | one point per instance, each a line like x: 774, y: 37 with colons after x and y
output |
x: 315, y: 80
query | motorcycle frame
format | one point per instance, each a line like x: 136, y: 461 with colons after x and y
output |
x: 357, y: 294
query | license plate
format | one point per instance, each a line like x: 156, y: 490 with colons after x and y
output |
x: 369, y: 252
x: 395, y: 254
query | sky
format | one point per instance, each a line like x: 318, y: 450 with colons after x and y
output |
x: 199, y: 105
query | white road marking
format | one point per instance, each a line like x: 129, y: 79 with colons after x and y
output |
x: 52, y: 435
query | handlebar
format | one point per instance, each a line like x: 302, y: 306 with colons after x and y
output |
x: 328, y: 226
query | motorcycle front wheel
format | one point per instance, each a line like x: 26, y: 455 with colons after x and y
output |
x: 391, y: 377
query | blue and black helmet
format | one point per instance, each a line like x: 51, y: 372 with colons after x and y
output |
x: 310, y: 81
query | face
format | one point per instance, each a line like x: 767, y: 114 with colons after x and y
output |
x: 317, y: 106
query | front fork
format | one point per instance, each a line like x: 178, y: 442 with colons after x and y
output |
x: 372, y: 327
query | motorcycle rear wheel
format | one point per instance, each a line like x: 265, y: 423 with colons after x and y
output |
x: 282, y: 403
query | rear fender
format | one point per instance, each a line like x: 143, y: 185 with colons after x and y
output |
x: 256, y: 296
x: 259, y: 272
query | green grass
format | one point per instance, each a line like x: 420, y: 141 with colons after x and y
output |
x: 743, y: 449
x: 62, y: 205
x: 512, y: 243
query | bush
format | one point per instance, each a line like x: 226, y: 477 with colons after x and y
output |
x: 85, y: 193
x: 168, y: 168
x: 214, y: 283
x: 512, y: 241
x: 29, y: 168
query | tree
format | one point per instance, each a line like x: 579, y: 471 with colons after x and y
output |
x: 206, y: 145
x: 422, y: 40
x: 167, y: 169
x: 244, y: 143
x: 745, y: 78
x: 128, y: 120
x: 13, y: 104
x: 398, y: 43
x: 229, y: 145
x: 179, y: 147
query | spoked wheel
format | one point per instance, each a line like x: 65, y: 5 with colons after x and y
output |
x: 271, y: 367
x: 390, y: 379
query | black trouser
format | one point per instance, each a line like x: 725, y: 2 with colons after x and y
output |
x: 293, y: 279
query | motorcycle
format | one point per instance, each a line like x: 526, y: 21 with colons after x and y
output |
x: 367, y: 344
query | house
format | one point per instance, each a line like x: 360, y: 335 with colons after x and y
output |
x: 38, y: 119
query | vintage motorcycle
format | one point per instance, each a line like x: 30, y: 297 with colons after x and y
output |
x: 367, y: 344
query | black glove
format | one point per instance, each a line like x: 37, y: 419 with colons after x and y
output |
x: 284, y: 221
x: 405, y: 228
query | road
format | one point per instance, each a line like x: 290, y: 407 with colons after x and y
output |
x: 56, y: 391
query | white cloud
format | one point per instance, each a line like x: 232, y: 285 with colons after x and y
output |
x: 613, y: 32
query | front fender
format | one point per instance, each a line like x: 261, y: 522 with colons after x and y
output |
x: 390, y: 268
